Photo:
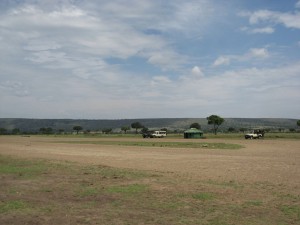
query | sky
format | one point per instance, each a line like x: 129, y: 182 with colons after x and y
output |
x: 124, y: 59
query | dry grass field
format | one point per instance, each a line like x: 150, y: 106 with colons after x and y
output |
x: 57, y: 180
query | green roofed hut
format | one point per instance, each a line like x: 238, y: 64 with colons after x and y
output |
x: 193, y: 133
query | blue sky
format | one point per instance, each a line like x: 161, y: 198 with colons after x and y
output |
x: 149, y: 59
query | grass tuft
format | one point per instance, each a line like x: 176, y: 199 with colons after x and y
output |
x: 88, y: 191
x: 21, y: 168
x: 291, y: 211
x: 203, y: 196
x: 80, y: 194
x: 254, y: 203
x: 11, y: 206
x: 199, y: 145
x: 128, y: 189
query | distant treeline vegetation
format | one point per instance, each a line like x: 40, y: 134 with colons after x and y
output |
x: 172, y: 125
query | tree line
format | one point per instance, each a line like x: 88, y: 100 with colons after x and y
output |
x: 214, y: 120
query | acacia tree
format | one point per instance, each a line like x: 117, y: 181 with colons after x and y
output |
x: 16, y: 131
x: 216, y: 121
x: 242, y: 129
x: 125, y: 129
x: 46, y: 130
x: 144, y: 129
x: 136, y: 126
x: 77, y: 129
x: 3, y: 130
x: 43, y: 130
x: 231, y: 129
x: 195, y: 125
x: 107, y: 130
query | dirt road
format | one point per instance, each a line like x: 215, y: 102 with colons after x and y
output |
x: 274, y: 161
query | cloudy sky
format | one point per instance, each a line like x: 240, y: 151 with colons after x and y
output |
x: 116, y: 59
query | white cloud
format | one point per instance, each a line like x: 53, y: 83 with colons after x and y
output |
x: 168, y: 59
x: 297, y: 4
x: 232, y: 88
x: 41, y: 45
x: 161, y: 79
x: 189, y: 14
x: 264, y: 30
x: 78, y: 32
x: 35, y: 17
x: 197, y: 72
x: 261, y: 15
x: 289, y: 20
x: 112, y: 58
x: 259, y: 53
x: 222, y: 60
x: 14, y: 88
x: 252, y: 54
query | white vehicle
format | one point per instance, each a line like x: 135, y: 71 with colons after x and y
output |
x: 255, y: 134
x: 155, y: 134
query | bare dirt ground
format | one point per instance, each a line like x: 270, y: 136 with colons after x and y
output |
x: 274, y: 161
x: 117, y: 184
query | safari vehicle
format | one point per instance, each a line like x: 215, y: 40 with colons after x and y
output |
x: 255, y: 134
x: 155, y: 134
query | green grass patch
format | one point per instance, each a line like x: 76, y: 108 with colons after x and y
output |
x: 208, y: 135
x: 230, y: 184
x: 291, y: 211
x: 104, y: 195
x: 11, y: 206
x: 172, y: 205
x: 268, y: 135
x: 21, y: 168
x: 254, y: 203
x: 201, y: 145
x: 203, y: 196
x: 282, y: 135
x: 88, y: 191
x: 109, y: 172
x: 128, y: 189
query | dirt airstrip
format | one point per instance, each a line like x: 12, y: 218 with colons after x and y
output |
x: 274, y: 161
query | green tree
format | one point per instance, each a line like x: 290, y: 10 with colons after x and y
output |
x: 231, y: 129
x: 242, y: 129
x: 125, y: 129
x: 195, y: 125
x: 216, y: 121
x: 106, y: 130
x: 43, y: 130
x: 16, y: 131
x: 298, y: 123
x: 3, y: 130
x: 46, y: 130
x: 77, y: 129
x: 145, y: 130
x: 49, y: 130
x: 136, y: 126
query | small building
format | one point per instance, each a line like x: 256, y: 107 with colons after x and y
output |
x: 193, y: 133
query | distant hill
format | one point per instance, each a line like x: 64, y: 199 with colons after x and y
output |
x: 33, y: 125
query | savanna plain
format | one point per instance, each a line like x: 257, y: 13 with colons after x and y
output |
x: 135, y: 181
